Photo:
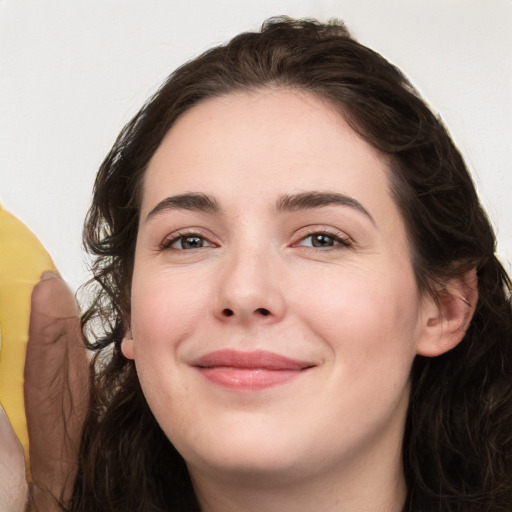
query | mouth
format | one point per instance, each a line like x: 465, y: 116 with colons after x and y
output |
x: 252, y: 371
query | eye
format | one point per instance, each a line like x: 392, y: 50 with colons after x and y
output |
x: 323, y: 241
x: 186, y: 242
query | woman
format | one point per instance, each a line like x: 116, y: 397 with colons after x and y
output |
x: 299, y: 289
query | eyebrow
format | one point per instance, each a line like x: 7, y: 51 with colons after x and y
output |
x: 199, y: 202
x: 309, y: 200
x: 192, y: 201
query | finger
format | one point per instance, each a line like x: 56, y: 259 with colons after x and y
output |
x: 56, y: 387
x: 13, y: 487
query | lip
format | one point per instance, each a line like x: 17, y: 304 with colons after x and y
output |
x: 253, y: 370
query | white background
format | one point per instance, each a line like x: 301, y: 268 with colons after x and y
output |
x: 73, y: 72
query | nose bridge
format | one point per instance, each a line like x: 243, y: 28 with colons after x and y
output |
x: 249, y: 286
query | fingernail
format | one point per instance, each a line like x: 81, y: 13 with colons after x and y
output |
x: 49, y: 274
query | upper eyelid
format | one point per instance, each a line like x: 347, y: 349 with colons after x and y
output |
x: 340, y: 241
x: 299, y: 234
x: 169, y: 239
x: 331, y: 231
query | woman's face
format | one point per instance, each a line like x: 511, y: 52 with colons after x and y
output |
x: 275, y: 314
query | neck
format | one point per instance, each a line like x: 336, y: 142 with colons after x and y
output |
x: 375, y: 484
x: 368, y: 477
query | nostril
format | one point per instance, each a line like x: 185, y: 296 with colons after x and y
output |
x: 259, y: 311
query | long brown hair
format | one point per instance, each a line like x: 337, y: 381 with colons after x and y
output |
x: 457, y: 449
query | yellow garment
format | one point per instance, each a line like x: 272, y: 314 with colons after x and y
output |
x: 22, y: 261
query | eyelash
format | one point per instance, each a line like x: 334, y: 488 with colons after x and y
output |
x: 168, y: 242
x: 339, y: 241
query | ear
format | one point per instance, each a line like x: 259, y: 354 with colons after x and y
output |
x: 448, y: 315
x: 127, y: 345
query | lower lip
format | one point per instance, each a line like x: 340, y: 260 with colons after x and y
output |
x: 251, y: 379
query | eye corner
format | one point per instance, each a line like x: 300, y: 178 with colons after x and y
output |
x: 323, y: 239
x: 186, y: 241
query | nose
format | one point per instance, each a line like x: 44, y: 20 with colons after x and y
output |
x: 250, y: 289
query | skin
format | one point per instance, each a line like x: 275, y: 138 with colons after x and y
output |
x: 56, y: 392
x: 329, y: 439
x: 56, y: 402
x: 13, y: 487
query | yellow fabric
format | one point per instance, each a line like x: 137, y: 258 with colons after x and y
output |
x: 22, y: 261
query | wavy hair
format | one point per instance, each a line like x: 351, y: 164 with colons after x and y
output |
x: 457, y: 449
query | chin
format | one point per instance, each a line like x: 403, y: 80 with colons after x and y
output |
x: 249, y: 454
x: 253, y: 468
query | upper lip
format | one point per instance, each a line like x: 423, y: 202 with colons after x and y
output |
x: 256, y: 359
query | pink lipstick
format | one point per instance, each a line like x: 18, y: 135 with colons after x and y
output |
x: 254, y: 370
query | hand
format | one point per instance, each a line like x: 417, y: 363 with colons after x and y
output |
x: 56, y: 392
x: 13, y: 487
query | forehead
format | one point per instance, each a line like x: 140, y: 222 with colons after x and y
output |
x: 261, y: 144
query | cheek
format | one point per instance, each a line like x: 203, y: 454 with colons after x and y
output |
x: 367, y: 319
x: 370, y: 326
x: 166, y: 311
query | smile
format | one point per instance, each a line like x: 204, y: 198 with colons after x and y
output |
x: 249, y: 370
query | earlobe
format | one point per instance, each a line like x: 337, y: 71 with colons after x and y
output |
x: 127, y: 345
x: 449, y: 314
